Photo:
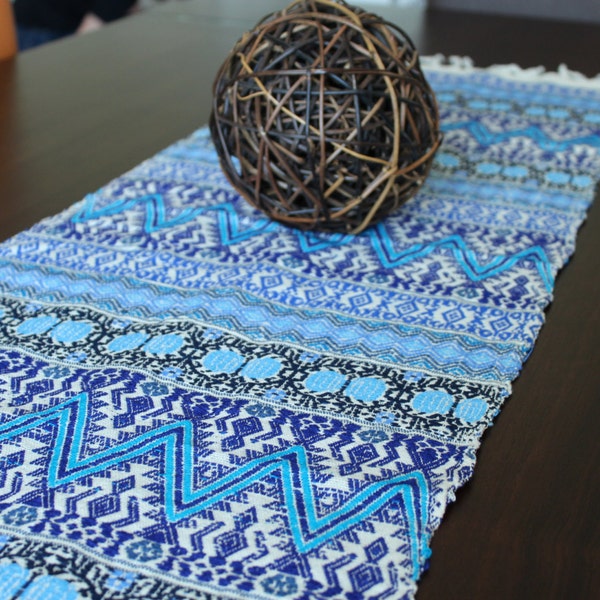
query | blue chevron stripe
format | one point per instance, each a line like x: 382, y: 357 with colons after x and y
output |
x: 313, y: 242
x: 156, y: 219
x: 308, y: 529
x: 155, y: 211
x: 231, y: 233
x: 89, y: 211
x: 391, y: 258
x: 486, y: 137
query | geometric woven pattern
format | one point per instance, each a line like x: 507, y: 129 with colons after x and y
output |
x: 197, y: 402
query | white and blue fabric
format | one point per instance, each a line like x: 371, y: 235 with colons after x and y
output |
x: 197, y: 402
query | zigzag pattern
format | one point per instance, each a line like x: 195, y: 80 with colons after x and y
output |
x: 297, y: 292
x: 409, y: 345
x: 156, y: 219
x: 381, y: 241
x: 155, y: 211
x: 182, y: 500
x: 485, y: 137
x: 464, y: 256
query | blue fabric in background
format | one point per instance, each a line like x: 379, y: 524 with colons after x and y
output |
x: 31, y: 37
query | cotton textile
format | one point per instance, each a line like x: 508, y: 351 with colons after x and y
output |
x: 197, y: 402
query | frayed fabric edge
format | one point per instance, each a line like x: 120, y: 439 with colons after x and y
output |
x: 464, y: 64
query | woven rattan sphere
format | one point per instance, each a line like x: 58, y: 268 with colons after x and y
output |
x: 322, y: 117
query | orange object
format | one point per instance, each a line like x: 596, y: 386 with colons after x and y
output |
x: 8, y: 34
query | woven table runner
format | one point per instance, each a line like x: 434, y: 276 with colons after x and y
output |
x: 197, y: 402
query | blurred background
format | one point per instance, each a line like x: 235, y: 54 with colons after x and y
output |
x: 41, y: 21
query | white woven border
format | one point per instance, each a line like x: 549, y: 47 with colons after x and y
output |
x: 464, y: 64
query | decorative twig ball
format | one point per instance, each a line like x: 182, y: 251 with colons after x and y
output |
x: 322, y: 117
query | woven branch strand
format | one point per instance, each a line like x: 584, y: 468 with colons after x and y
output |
x: 322, y: 117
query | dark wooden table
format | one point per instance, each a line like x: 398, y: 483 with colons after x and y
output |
x: 76, y: 113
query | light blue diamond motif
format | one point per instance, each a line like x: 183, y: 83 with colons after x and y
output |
x: 433, y: 402
x: 36, y: 325
x: 324, y: 381
x: 488, y: 168
x: 164, y: 344
x: 471, y: 410
x: 223, y: 361
x: 127, y: 342
x: 50, y: 588
x: 12, y: 578
x: 261, y: 368
x: 366, y: 389
x: 558, y: 177
x: 71, y: 331
x: 447, y: 160
x: 516, y: 171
